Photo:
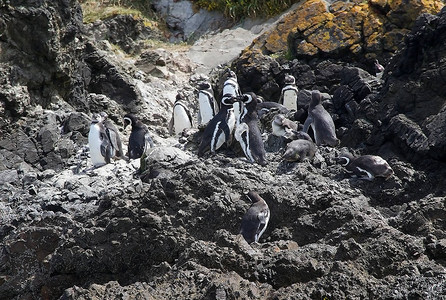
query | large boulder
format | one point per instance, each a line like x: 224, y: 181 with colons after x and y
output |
x: 334, y: 29
x: 413, y: 97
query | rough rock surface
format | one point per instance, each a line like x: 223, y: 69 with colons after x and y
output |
x: 355, y: 29
x: 69, y: 231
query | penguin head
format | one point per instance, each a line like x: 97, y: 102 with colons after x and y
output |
x: 253, y: 197
x: 129, y: 119
x: 96, y: 118
x: 278, y: 119
x: 249, y: 100
x: 344, y: 159
x: 228, y: 100
x: 289, y: 79
x: 204, y: 85
x: 103, y: 115
x: 316, y: 98
x: 230, y: 74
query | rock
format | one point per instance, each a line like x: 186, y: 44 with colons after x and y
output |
x: 186, y: 23
x: 125, y: 31
x: 332, y: 29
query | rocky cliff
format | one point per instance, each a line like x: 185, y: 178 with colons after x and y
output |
x: 72, y: 232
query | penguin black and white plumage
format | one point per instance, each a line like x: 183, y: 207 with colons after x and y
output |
x: 321, y: 122
x: 247, y: 133
x: 181, y: 116
x: 288, y: 96
x: 231, y: 87
x: 255, y: 220
x: 301, y: 148
x: 208, y: 106
x: 366, y: 166
x: 379, y: 69
x: 139, y: 138
x: 113, y: 135
x: 220, y: 129
x: 101, y: 149
x: 281, y: 125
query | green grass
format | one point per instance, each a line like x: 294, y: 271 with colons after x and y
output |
x: 239, y: 9
x: 102, y: 9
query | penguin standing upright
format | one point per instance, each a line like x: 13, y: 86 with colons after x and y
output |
x: 321, y: 122
x: 288, y: 96
x: 113, y: 135
x: 139, y: 136
x: 181, y: 117
x: 101, y: 149
x: 255, y: 220
x: 248, y: 133
x: 208, y: 106
x: 366, y: 166
x: 231, y: 87
x: 219, y: 129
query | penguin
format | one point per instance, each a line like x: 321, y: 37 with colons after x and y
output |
x: 255, y: 220
x: 181, y: 116
x: 379, y: 69
x: 366, y: 166
x: 101, y: 149
x: 231, y: 87
x: 112, y: 134
x: 220, y: 128
x: 321, y: 122
x: 208, y: 106
x: 297, y: 135
x: 248, y: 133
x: 281, y: 125
x: 301, y: 148
x: 288, y: 95
x: 139, y: 136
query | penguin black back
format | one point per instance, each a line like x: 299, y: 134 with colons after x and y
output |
x: 256, y: 218
x: 138, y: 136
x: 248, y: 132
x: 220, y: 127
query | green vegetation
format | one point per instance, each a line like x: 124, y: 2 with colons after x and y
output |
x: 239, y: 9
x: 102, y: 9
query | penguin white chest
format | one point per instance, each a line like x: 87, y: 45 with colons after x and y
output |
x: 290, y: 99
x: 94, y: 142
x: 181, y: 119
x: 206, y: 109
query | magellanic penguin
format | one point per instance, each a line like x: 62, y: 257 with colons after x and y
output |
x: 366, y: 166
x: 256, y: 218
x: 231, y: 87
x: 101, y: 149
x: 139, y: 138
x: 181, y: 116
x: 321, y: 122
x: 220, y: 129
x: 301, y: 148
x: 113, y: 135
x: 288, y: 96
x: 247, y: 133
x: 281, y: 125
x: 208, y: 106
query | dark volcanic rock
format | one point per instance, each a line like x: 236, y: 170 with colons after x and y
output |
x: 413, y: 96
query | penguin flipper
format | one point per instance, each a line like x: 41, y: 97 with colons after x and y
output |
x: 112, y: 136
x: 171, y: 124
x: 307, y: 123
x: 148, y: 143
